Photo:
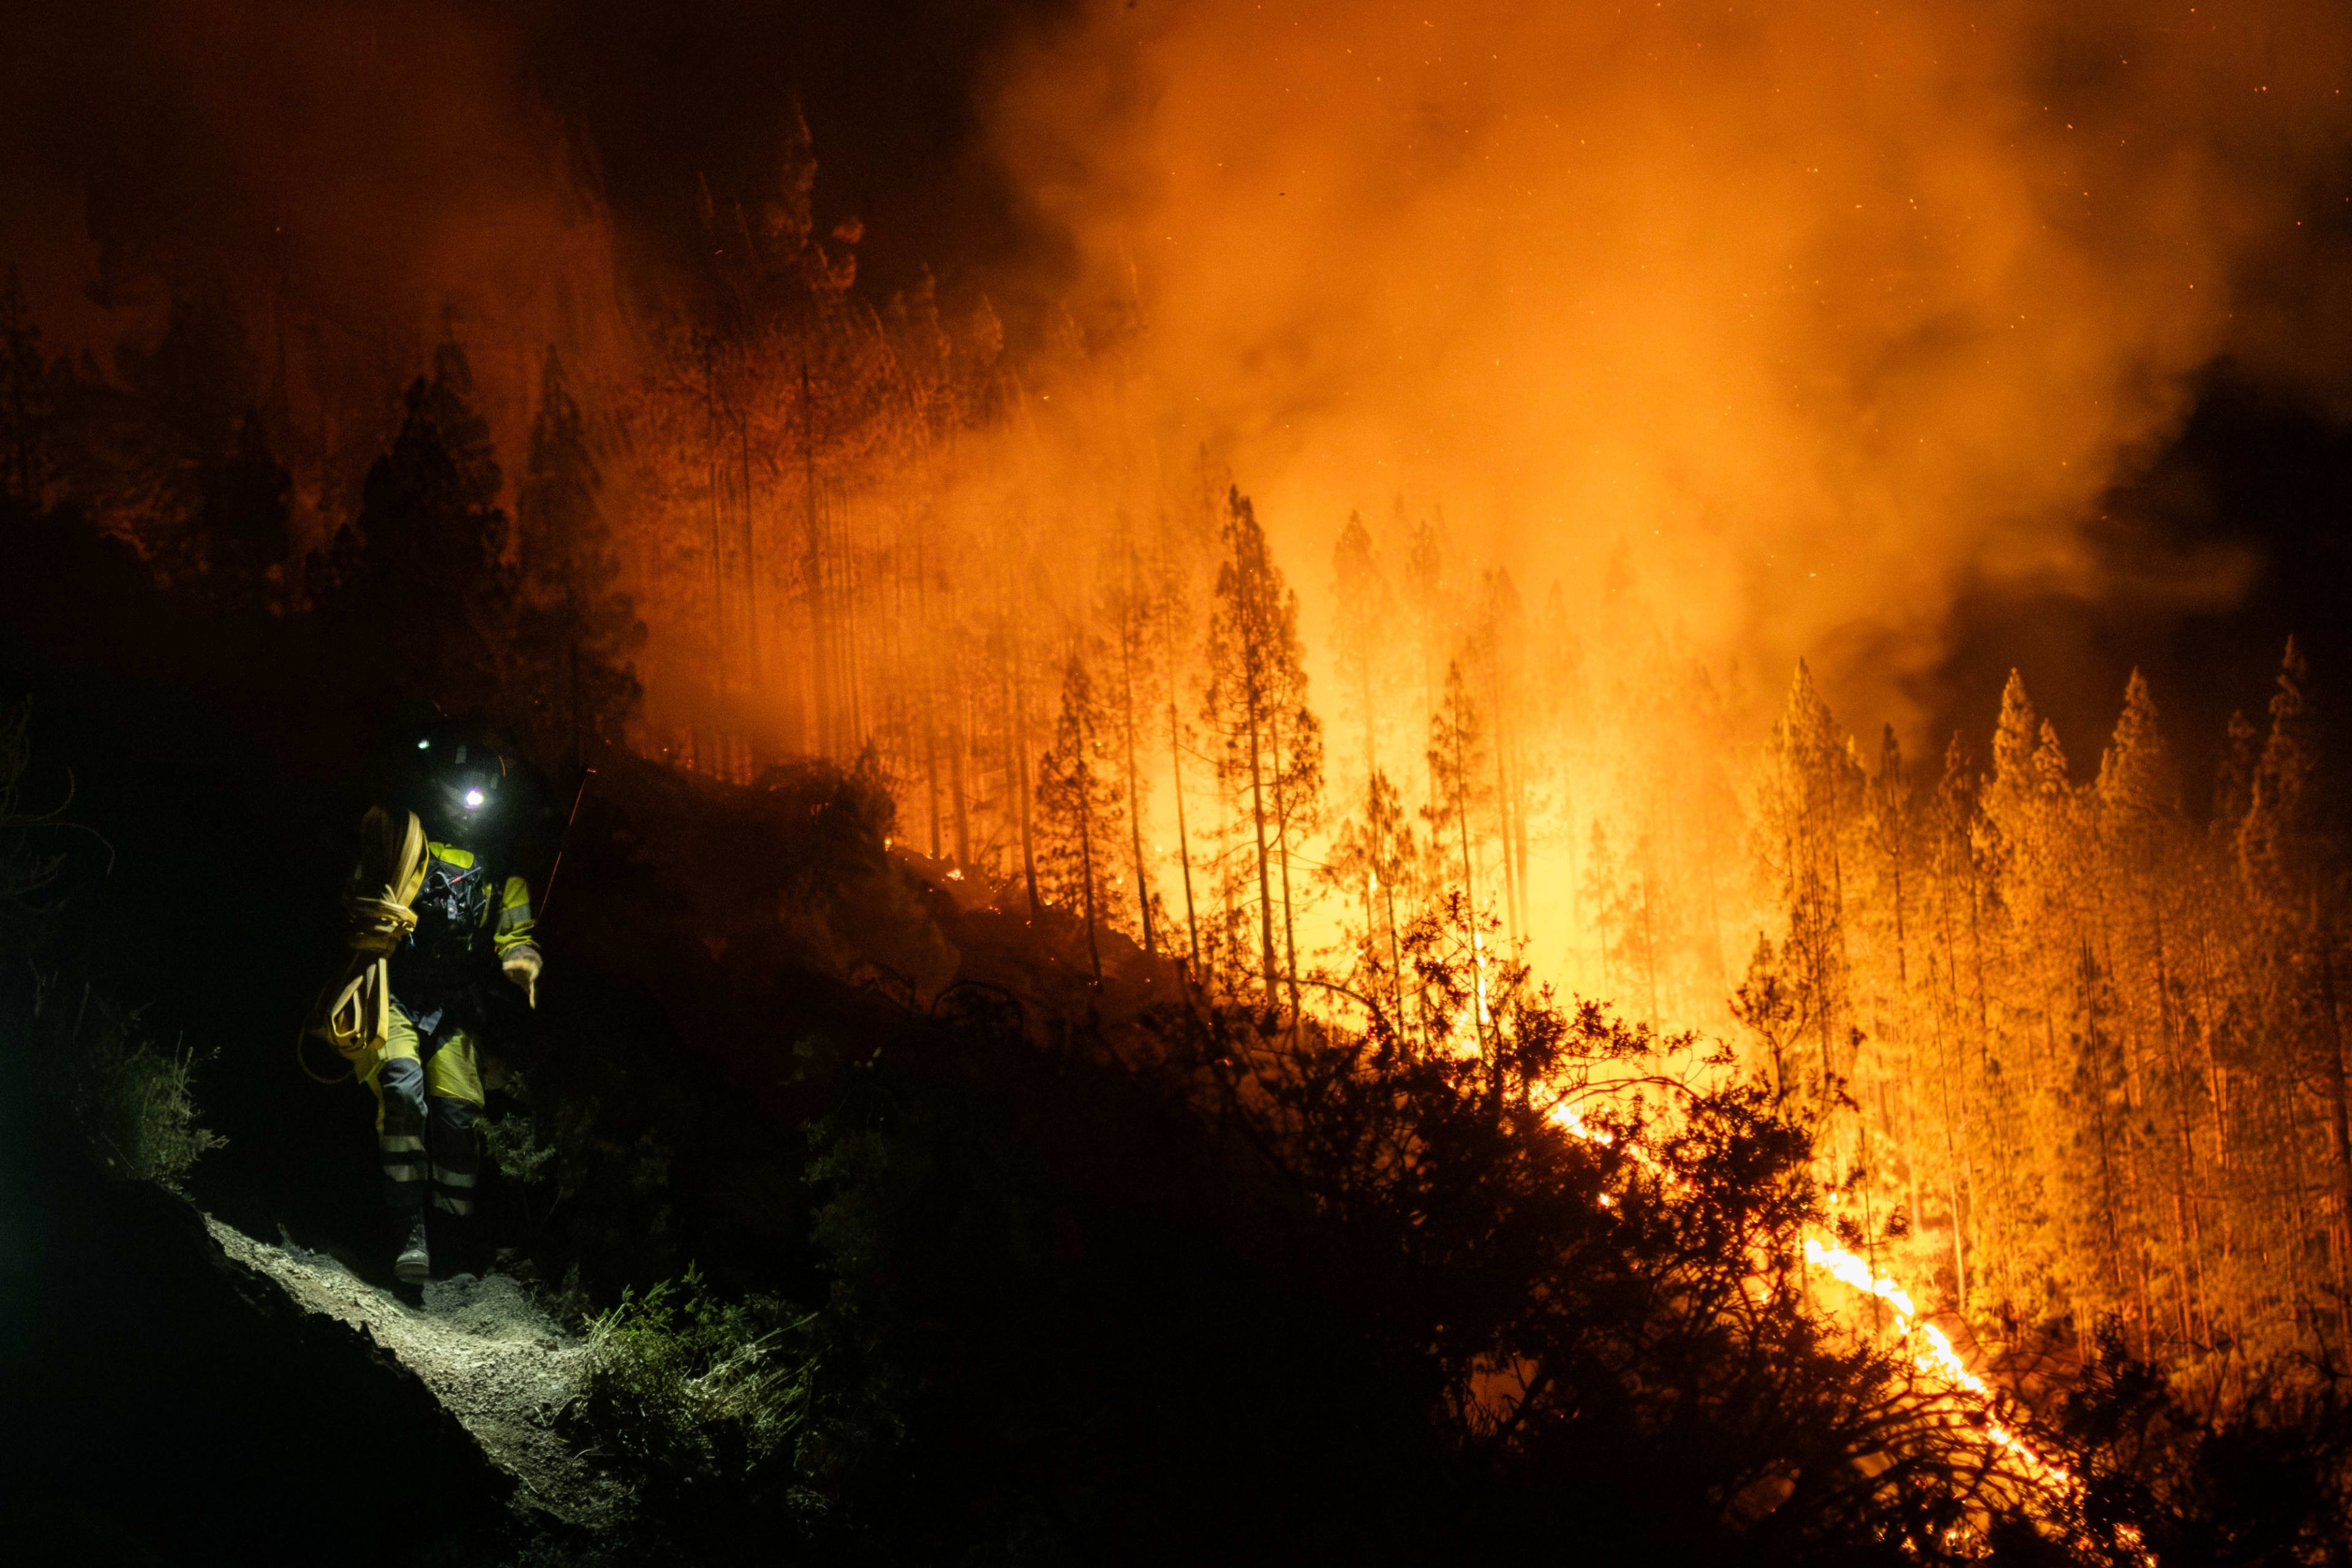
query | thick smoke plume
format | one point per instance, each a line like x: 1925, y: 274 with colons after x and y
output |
x: 1816, y: 312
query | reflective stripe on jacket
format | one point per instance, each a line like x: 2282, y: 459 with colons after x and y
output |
x: 507, y: 917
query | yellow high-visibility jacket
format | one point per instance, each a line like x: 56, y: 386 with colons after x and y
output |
x: 454, y: 896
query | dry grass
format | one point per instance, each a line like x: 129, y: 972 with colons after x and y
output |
x: 127, y: 1099
x: 694, y: 1391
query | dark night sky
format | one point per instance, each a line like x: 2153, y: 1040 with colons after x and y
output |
x: 669, y: 92
x: 150, y: 141
x: 2260, y: 467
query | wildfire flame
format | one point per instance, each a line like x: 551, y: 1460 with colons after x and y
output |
x: 1932, y: 1354
x: 1931, y: 1349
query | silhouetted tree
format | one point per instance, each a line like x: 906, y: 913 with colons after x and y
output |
x: 419, y: 591
x: 1374, y: 860
x: 1079, y: 803
x: 1129, y: 610
x: 1272, y: 743
x: 1809, y: 797
x: 155, y: 453
x: 244, y: 517
x: 571, y: 675
x: 2267, y: 1480
x: 1361, y: 630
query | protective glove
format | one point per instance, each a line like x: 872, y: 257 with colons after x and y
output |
x: 522, y: 966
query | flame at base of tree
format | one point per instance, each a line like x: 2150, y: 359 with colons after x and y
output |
x: 2052, y: 1491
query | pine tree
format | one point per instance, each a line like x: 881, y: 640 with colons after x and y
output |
x: 1497, y: 646
x: 1642, y: 922
x: 1772, y: 1012
x: 1888, y: 1068
x: 1808, y: 802
x: 2234, y: 780
x: 571, y: 675
x: 1893, y: 830
x: 1079, y: 807
x: 1460, y: 761
x: 1128, y: 610
x: 2278, y: 842
x: 2137, y: 780
x: 1362, y: 617
x: 1956, y: 912
x: 2008, y: 802
x: 2290, y: 864
x: 2139, y: 833
x: 187, y: 392
x: 1429, y: 595
x: 1169, y: 589
x: 1460, y: 758
x: 2037, y: 862
x: 1602, y: 904
x: 422, y: 590
x: 1272, y: 741
x: 244, y: 519
x: 2094, y: 1171
x: 1372, y: 861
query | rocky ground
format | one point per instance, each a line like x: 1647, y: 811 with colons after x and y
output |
x: 485, y: 1348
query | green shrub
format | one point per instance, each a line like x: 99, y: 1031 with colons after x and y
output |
x: 128, y: 1100
x: 514, y: 1144
x: 698, y: 1397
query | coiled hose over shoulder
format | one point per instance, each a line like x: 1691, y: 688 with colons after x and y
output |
x: 391, y: 869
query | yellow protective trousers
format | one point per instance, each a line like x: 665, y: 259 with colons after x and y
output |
x: 428, y: 1089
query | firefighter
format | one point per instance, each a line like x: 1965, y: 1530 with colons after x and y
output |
x: 460, y: 981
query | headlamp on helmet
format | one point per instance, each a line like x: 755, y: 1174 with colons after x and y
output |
x: 459, y: 782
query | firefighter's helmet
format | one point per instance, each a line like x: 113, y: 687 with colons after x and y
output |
x: 459, y: 785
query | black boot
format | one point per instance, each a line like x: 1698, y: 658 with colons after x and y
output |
x: 413, y: 1265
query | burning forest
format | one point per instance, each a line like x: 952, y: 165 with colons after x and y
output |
x: 1157, y: 782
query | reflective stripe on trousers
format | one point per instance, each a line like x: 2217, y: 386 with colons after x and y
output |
x: 456, y: 1158
x: 426, y: 1142
x: 400, y: 1132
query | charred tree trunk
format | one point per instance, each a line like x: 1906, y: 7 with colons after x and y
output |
x: 1086, y: 785
x: 1183, y: 839
x: 1134, y: 789
x: 1020, y: 784
x: 960, y: 797
x: 1257, y: 828
x: 2340, y: 1126
x: 717, y: 548
x: 1282, y: 851
x: 812, y: 576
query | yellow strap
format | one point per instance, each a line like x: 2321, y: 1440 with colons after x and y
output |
x: 391, y: 869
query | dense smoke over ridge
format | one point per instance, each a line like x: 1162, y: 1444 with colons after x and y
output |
x: 1828, y: 321
x: 1821, y: 313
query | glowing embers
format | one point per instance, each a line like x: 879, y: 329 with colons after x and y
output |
x: 1570, y: 1120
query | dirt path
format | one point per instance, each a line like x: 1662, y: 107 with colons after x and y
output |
x: 493, y: 1358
